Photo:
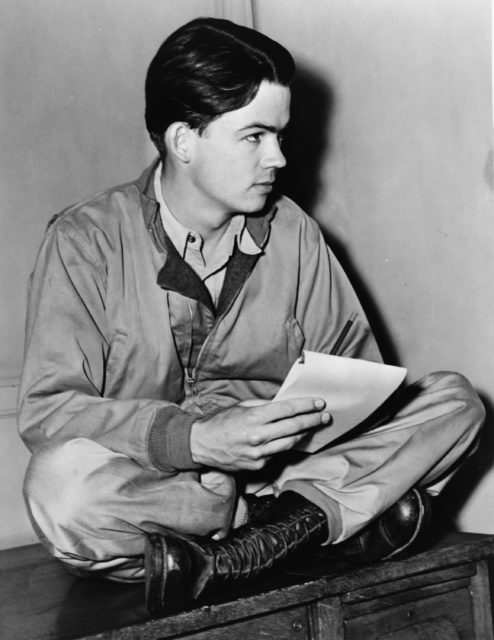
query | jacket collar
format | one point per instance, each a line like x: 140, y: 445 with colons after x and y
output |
x: 258, y: 225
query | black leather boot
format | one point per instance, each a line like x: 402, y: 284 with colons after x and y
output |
x: 256, y: 505
x: 393, y: 534
x: 178, y: 569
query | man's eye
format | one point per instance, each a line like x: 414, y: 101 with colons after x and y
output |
x: 253, y: 137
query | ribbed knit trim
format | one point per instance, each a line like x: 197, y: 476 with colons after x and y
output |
x: 169, y: 440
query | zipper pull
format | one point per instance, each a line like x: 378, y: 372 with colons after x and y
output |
x: 189, y: 379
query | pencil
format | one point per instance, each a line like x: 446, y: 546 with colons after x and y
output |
x: 336, y: 347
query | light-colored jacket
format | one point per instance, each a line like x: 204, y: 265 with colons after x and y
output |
x: 108, y: 353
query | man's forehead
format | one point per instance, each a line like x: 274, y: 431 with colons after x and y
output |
x: 269, y: 109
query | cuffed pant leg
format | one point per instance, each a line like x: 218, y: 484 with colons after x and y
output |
x: 422, y: 444
x: 91, y: 506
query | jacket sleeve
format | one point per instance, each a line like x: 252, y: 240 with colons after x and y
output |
x: 62, y: 390
x: 327, y: 302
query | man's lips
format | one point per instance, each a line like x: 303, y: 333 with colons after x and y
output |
x: 264, y: 183
x: 264, y: 186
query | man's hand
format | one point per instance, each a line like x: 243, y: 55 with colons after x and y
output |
x: 244, y: 437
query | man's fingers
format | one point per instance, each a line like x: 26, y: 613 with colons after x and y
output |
x: 281, y: 444
x: 288, y: 427
x: 253, y: 402
x: 281, y: 409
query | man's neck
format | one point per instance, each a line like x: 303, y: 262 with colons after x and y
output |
x: 197, y: 216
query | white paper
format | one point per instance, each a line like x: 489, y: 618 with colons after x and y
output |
x: 352, y: 389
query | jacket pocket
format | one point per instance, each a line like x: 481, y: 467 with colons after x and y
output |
x: 295, y: 340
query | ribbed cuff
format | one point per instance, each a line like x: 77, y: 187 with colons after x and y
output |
x: 169, y: 440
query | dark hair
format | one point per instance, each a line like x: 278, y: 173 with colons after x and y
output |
x: 207, y: 67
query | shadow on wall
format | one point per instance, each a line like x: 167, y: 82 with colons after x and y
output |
x: 459, y: 489
x: 307, y: 143
x: 307, y: 138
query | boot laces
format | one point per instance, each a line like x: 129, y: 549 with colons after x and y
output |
x: 255, y: 548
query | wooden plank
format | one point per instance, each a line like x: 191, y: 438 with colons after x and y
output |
x: 481, y: 603
x: 39, y: 600
x: 403, y: 597
x: 452, y: 550
x: 328, y: 623
x: 441, y: 629
x: 21, y: 556
x: 291, y: 624
x: 408, y: 583
x: 454, y: 607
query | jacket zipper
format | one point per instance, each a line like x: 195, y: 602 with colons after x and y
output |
x: 191, y: 374
x: 190, y: 381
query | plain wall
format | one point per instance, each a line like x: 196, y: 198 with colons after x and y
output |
x: 404, y: 179
x: 392, y: 153
x: 71, y: 119
x: 71, y: 123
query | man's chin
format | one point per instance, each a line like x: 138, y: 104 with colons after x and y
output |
x: 258, y: 205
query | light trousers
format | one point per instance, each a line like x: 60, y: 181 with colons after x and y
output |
x: 91, y: 507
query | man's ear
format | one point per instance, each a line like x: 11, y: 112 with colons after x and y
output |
x: 178, y: 141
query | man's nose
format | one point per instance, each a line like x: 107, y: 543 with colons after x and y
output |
x: 273, y: 158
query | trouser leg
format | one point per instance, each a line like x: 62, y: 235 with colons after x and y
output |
x: 423, y: 443
x: 91, y: 506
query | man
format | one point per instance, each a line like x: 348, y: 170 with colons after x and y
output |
x: 164, y: 315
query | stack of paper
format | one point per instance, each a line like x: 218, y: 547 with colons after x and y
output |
x: 352, y: 389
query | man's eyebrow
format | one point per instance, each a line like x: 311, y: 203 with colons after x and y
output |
x: 261, y: 125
